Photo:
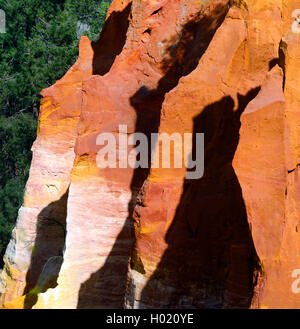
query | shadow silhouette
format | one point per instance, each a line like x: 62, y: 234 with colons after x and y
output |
x: 182, y: 57
x: 211, y: 260
x: 280, y: 61
x: 49, y: 242
x: 111, y: 41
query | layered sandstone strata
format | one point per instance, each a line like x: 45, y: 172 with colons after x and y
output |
x: 149, y: 238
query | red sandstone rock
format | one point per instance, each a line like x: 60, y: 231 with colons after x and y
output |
x: 149, y: 237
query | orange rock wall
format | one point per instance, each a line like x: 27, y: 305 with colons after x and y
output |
x: 138, y: 238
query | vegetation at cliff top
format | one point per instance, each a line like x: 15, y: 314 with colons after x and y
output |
x: 39, y: 46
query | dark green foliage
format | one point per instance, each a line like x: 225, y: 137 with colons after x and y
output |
x: 16, y: 136
x: 39, y: 46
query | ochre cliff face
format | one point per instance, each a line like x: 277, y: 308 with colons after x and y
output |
x: 149, y: 238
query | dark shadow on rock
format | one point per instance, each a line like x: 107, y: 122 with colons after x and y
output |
x: 111, y: 42
x: 280, y: 61
x: 49, y: 245
x: 182, y: 58
x: 211, y: 260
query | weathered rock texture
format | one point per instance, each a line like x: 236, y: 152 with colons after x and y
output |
x: 149, y: 238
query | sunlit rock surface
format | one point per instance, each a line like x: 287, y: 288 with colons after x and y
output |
x: 149, y: 238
